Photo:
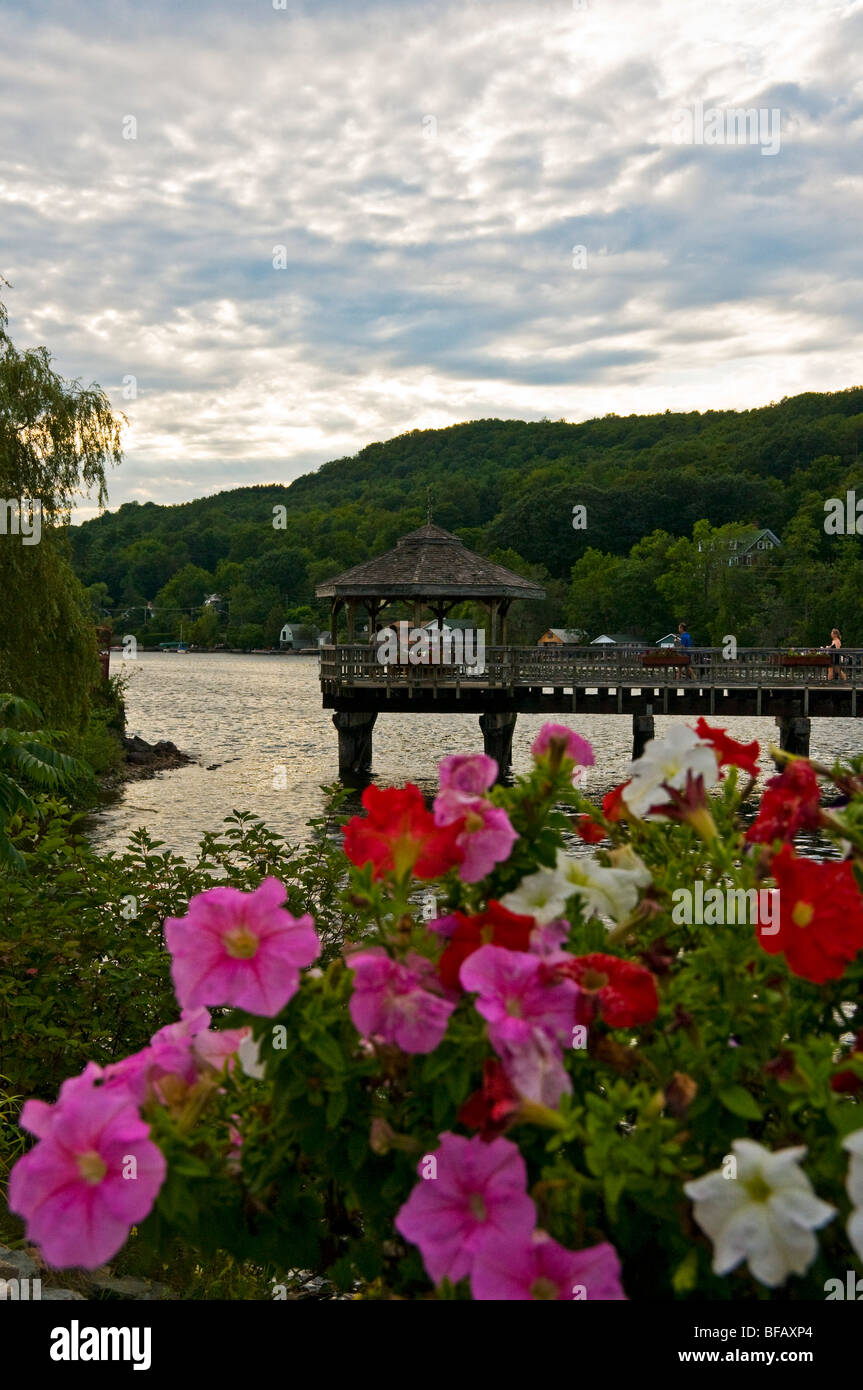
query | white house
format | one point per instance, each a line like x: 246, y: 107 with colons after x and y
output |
x: 295, y: 636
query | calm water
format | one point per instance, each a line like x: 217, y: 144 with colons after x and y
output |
x: 256, y: 715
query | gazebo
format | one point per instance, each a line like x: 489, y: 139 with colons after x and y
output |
x: 429, y: 571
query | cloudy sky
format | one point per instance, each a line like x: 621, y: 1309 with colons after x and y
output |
x: 292, y: 227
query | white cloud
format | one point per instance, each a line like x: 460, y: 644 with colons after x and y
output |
x: 428, y: 170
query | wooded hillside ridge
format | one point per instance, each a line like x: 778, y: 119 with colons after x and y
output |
x: 664, y: 498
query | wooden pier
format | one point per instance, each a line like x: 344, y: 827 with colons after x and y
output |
x: 588, y: 680
x: 431, y: 571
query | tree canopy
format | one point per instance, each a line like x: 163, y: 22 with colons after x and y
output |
x: 57, y: 438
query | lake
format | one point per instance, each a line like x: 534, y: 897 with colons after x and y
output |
x: 265, y: 745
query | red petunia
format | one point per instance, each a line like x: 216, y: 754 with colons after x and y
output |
x: 589, y: 830
x: 729, y: 753
x: 497, y: 926
x: 790, y: 803
x: 399, y: 835
x: 613, y: 805
x: 622, y: 994
x: 490, y: 1109
x: 820, y: 916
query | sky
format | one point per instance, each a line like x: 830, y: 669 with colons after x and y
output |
x: 275, y: 231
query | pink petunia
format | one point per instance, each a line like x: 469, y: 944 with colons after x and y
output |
x: 444, y: 926
x: 508, y: 1271
x: 547, y: 940
x: 469, y: 1192
x: 535, y: 1070
x: 516, y: 995
x: 469, y: 773
x: 402, y: 1003
x: 485, y: 837
x: 242, y: 949
x: 176, y: 1057
x: 576, y: 748
x: 93, y: 1175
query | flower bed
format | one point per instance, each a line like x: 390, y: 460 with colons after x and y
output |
x: 630, y: 1072
x: 666, y: 658
x: 805, y: 659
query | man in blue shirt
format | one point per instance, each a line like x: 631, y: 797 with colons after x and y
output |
x: 685, y: 641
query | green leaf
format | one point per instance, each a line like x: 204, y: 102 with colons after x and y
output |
x: 739, y: 1101
x: 336, y: 1107
x: 328, y: 1051
x: 684, y: 1277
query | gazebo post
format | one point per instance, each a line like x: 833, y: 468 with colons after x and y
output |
x: 354, y: 728
x: 498, y: 727
x: 504, y: 610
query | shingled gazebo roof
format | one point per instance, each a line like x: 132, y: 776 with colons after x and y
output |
x: 429, y: 563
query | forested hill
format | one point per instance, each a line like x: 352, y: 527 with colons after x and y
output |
x: 508, y: 488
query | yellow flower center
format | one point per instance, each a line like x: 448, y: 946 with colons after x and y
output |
x: 92, y: 1167
x: 241, y: 943
x: 593, y: 980
x: 473, y: 821
x: 802, y: 914
x: 758, y: 1189
x: 543, y: 1288
x: 478, y: 1207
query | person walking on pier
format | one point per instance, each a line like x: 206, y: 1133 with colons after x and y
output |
x: 685, y: 641
x: 834, y: 647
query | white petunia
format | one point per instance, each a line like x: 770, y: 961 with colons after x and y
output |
x: 602, y: 891
x: 249, y: 1053
x: 541, y: 895
x: 668, y: 760
x: 854, y: 1183
x: 764, y: 1211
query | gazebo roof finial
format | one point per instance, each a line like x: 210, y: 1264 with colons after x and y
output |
x: 428, y: 505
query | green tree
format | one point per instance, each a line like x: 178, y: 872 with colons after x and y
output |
x: 205, y: 631
x: 56, y: 440
x: 188, y: 589
x: 594, y: 601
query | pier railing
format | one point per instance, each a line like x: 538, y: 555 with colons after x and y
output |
x: 568, y: 667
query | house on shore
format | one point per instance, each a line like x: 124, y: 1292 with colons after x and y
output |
x: 296, y: 636
x: 748, y: 548
x: 562, y: 636
x: 617, y: 639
